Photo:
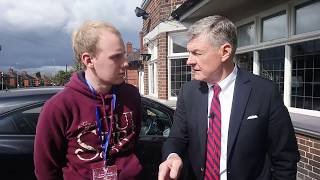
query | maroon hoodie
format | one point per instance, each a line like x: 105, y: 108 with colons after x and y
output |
x: 67, y: 141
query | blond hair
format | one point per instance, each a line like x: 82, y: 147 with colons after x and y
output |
x: 85, y: 38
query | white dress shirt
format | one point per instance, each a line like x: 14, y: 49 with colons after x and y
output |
x: 225, y: 97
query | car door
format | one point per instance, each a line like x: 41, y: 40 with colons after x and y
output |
x: 17, y: 131
x: 155, y: 128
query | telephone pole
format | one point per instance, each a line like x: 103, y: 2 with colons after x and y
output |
x: 1, y: 72
x: 1, y: 80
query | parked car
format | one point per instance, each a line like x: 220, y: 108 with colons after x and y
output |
x: 19, y: 111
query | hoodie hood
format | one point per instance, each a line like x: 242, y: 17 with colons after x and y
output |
x: 78, y: 83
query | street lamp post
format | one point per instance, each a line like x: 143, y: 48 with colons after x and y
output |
x: 1, y: 73
x: 1, y: 80
x: 17, y: 80
x: 17, y: 74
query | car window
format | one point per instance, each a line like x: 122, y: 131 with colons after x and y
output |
x: 22, y: 121
x: 155, y: 122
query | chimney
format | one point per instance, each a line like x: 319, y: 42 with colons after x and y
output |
x: 129, y: 47
x: 10, y: 70
x: 141, y: 41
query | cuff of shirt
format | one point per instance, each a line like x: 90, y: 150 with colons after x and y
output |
x: 171, y: 154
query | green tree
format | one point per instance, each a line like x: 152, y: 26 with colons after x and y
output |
x: 77, y: 66
x: 62, y: 77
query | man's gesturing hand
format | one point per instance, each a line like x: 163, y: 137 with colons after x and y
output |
x: 170, y: 168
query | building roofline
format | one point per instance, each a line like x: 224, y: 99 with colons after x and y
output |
x: 144, y: 4
x: 184, y: 8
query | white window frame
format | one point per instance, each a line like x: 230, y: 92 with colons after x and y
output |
x: 291, y: 38
x: 153, y: 50
x: 171, y: 56
x: 155, y: 78
x: 141, y: 82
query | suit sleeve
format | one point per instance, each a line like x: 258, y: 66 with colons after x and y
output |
x: 178, y: 137
x: 282, y: 145
x: 49, y: 147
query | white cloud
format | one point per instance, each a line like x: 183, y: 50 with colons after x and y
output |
x: 119, y: 13
x: 35, y: 15
x: 32, y: 32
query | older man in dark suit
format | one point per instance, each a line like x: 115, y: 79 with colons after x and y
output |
x: 231, y: 124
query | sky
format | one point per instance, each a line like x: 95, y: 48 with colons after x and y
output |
x: 35, y: 35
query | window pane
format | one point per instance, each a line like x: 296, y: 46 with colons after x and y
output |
x: 7, y: 126
x: 272, y: 65
x: 179, y: 41
x: 306, y: 75
x: 155, y: 122
x: 23, y: 121
x: 274, y: 27
x: 307, y: 17
x: 181, y: 75
x: 245, y: 60
x: 152, y: 76
x: 246, y: 35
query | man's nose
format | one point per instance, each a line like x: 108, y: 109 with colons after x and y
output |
x: 125, y: 63
x: 190, y: 60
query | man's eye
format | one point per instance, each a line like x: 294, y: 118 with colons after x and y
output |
x: 118, y: 56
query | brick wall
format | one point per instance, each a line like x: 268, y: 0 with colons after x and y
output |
x: 133, y: 77
x: 25, y: 83
x: 153, y: 8
x: 162, y: 66
x: 159, y: 11
x: 309, y: 165
x: 12, y: 82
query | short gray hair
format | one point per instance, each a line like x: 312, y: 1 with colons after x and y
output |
x: 218, y: 29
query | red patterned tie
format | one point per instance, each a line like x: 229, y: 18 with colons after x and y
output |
x: 214, y: 138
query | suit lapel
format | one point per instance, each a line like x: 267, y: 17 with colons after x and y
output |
x: 203, y: 118
x: 240, y: 98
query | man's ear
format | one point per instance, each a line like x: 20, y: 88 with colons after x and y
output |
x: 87, y: 60
x: 226, y: 51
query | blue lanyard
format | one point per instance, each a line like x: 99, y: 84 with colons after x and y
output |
x: 99, y: 125
x: 107, y: 136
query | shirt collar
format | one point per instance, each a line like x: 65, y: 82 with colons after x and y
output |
x: 228, y: 80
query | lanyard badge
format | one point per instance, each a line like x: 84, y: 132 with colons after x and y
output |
x: 99, y: 169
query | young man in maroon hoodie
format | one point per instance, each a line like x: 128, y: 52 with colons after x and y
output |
x: 89, y: 129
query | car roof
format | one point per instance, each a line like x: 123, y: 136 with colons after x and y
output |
x: 29, y: 91
x: 13, y: 99
x: 17, y: 98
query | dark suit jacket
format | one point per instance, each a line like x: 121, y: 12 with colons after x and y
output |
x: 258, y: 148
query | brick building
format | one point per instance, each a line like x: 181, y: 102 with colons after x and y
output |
x: 277, y: 39
x: 157, y: 33
x: 27, y: 80
x: 135, y: 65
x: 14, y: 79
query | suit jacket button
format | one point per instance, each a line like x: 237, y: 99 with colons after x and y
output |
x: 201, y: 169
